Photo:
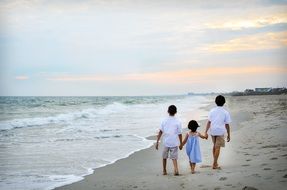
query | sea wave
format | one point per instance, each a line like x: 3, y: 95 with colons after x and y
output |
x: 64, y: 118
x: 65, y: 143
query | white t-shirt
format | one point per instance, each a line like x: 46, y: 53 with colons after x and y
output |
x: 171, y: 128
x: 218, y: 117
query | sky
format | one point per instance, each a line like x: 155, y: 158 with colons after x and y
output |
x: 141, y: 47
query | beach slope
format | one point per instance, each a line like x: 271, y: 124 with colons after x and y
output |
x: 255, y: 158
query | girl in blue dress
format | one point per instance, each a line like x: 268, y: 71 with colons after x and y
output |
x: 192, y: 144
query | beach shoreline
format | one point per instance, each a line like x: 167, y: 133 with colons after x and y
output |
x: 241, y: 167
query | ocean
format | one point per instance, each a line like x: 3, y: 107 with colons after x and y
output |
x: 46, y: 142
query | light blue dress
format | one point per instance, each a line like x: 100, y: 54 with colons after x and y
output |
x: 193, y: 149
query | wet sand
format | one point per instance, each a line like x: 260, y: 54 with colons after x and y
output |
x: 256, y: 157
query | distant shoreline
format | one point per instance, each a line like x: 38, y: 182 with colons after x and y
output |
x: 257, y: 93
x: 247, y: 92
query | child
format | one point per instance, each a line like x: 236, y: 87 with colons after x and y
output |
x: 218, y: 123
x: 171, y: 130
x: 192, y: 147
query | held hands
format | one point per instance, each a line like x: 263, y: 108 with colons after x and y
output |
x: 180, y: 146
x: 206, y: 136
x: 156, y: 146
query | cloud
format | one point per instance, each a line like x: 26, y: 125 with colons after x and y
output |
x: 271, y: 40
x: 175, y: 76
x: 258, y: 22
x: 23, y: 77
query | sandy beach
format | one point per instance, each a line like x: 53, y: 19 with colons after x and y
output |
x: 256, y: 157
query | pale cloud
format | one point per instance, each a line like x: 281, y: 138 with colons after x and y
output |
x: 271, y: 40
x: 257, y: 22
x: 23, y: 77
x: 176, y: 76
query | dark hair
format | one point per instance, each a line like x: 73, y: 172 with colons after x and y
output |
x: 172, y: 110
x: 220, y: 100
x: 193, y: 125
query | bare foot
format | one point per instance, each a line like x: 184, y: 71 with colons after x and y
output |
x: 216, y: 167
x: 176, y: 174
x: 193, y: 172
x: 164, y: 173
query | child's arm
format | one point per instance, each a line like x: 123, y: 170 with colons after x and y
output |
x: 207, y: 128
x: 180, y: 141
x: 228, y: 132
x: 184, y: 141
x: 202, y: 136
x: 158, y: 137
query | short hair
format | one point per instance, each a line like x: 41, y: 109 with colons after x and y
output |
x: 193, y: 125
x: 172, y: 110
x: 220, y: 100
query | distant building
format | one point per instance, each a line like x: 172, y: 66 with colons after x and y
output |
x: 263, y: 89
x: 276, y: 90
x: 249, y: 91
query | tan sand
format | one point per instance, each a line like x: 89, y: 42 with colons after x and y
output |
x: 256, y: 156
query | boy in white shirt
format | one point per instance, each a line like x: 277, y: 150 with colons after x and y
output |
x: 171, y: 130
x: 218, y: 123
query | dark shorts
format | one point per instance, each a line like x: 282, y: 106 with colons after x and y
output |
x: 218, y: 141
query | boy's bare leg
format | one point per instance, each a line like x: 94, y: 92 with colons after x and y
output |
x: 216, y: 153
x: 164, y: 166
x: 213, y: 151
x: 190, y: 165
x: 174, y: 161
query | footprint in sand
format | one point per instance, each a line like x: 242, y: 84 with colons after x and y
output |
x: 267, y: 169
x: 256, y: 175
x: 264, y: 164
x: 222, y: 178
x: 205, y: 166
x: 285, y: 176
x: 245, y: 165
x: 248, y: 160
x: 217, y: 188
x: 228, y: 185
x: 274, y: 158
x: 271, y: 146
x: 282, y: 170
x: 182, y: 185
x: 249, y: 188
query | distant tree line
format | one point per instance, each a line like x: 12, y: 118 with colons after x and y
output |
x: 261, y: 91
